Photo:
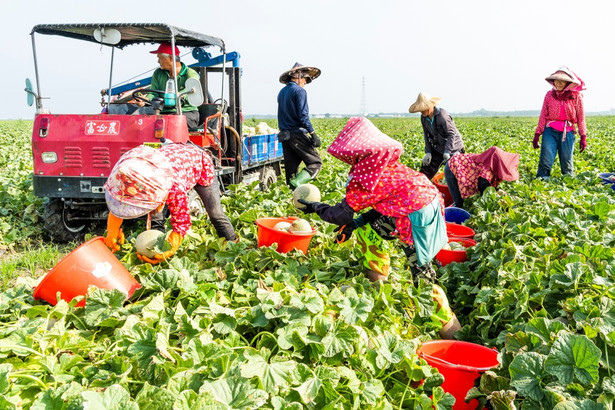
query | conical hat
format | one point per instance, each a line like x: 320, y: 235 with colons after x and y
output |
x: 424, y: 102
x: 566, y: 74
x: 310, y: 72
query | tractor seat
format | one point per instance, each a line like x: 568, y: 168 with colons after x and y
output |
x: 206, y: 110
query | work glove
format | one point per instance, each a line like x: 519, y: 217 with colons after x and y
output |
x: 115, y: 237
x: 535, y: 141
x: 315, y: 139
x: 582, y: 143
x: 445, y: 157
x: 310, y: 207
x: 344, y: 232
x: 174, y: 239
x: 426, y: 159
x: 366, y: 218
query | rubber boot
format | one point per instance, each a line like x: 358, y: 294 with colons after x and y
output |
x: 449, y: 328
x: 374, y: 276
x: 444, y: 312
x: 300, y: 179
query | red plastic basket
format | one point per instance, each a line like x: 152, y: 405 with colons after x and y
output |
x: 446, y: 256
x: 454, y: 230
x: 286, y: 241
x: 448, y: 198
x: 91, y: 264
x: 460, y: 363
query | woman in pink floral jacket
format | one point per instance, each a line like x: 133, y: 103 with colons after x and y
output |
x: 404, y: 203
x: 469, y: 174
x: 562, y: 110
x: 145, y: 179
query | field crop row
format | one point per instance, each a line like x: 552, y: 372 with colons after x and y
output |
x: 226, y: 325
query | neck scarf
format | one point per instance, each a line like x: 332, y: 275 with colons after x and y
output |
x: 503, y: 164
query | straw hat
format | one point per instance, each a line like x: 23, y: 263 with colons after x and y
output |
x: 299, y: 71
x: 424, y: 102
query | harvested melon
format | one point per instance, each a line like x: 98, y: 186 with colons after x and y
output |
x: 146, y: 242
x: 307, y: 192
x: 282, y: 226
x: 300, y: 226
x: 456, y: 246
x: 263, y: 128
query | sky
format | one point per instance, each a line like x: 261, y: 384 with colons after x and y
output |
x: 483, y: 54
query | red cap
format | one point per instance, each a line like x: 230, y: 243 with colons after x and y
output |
x: 165, y: 48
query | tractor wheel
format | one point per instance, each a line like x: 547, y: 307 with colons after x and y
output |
x: 269, y: 178
x: 58, y: 223
x: 195, y: 204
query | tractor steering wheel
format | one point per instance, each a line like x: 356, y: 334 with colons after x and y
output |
x: 138, y: 95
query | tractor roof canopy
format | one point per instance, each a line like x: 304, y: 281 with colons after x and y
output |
x: 132, y: 33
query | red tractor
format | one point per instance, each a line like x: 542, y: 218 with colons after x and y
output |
x: 74, y: 154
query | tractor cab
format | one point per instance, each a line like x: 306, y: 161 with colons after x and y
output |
x: 73, y: 154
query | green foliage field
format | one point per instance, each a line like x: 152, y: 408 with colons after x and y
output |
x: 236, y: 326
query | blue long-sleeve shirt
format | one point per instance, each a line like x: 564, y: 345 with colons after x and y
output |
x: 293, y: 111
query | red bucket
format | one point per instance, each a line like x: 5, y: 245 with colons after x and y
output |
x: 446, y: 256
x: 286, y: 241
x: 91, y: 264
x: 448, y: 198
x: 454, y: 230
x: 460, y: 363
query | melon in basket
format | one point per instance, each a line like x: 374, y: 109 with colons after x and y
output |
x: 300, y: 226
x: 282, y: 226
x: 307, y: 192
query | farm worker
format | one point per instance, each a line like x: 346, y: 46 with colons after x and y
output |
x: 299, y: 140
x: 562, y: 108
x: 405, y: 204
x: 442, y: 138
x: 469, y: 174
x: 159, y: 82
x: 145, y: 179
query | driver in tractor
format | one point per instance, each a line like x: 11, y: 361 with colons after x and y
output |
x: 145, y: 179
x: 159, y: 81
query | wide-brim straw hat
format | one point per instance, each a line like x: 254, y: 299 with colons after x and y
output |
x: 298, y: 71
x: 424, y: 102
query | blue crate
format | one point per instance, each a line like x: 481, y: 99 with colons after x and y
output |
x: 258, y: 147
x: 246, y: 157
x: 275, y: 147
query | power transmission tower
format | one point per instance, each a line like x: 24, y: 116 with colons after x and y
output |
x: 363, y: 100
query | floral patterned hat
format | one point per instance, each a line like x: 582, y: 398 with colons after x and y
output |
x: 367, y: 149
x: 138, y: 183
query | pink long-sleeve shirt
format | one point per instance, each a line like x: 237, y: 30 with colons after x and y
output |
x: 191, y: 166
x: 552, y: 111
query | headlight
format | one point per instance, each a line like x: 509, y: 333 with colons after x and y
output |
x: 49, y: 157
